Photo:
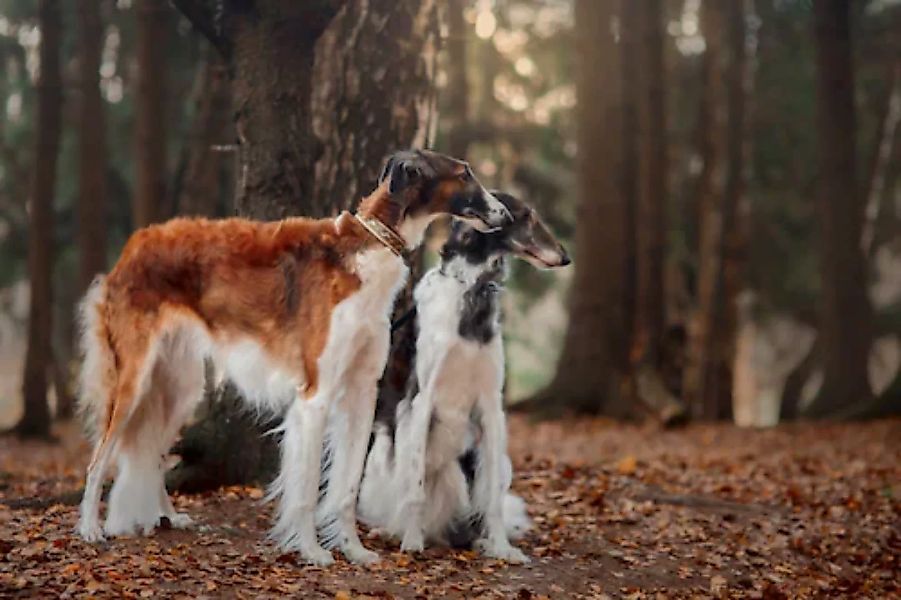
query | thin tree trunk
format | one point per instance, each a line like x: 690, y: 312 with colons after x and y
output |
x: 644, y: 185
x: 845, y: 313
x: 457, y: 90
x: 790, y: 401
x: 881, y: 159
x: 630, y: 43
x: 712, y: 181
x: 151, y: 173
x: 652, y: 184
x: 736, y: 211
x: 713, y: 326
x: 593, y: 360
x: 36, y: 420
x: 204, y: 179
x: 91, y: 147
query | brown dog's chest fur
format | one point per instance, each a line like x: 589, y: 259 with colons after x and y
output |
x: 277, y: 283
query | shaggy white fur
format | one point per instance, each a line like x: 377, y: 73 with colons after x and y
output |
x: 413, y: 485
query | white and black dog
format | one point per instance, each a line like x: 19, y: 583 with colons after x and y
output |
x: 437, y: 468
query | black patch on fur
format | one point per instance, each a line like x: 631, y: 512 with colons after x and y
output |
x: 468, y: 462
x: 473, y: 246
x: 463, y: 531
x: 480, y: 305
x: 399, y: 380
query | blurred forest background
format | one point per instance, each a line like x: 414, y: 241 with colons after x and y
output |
x: 726, y: 175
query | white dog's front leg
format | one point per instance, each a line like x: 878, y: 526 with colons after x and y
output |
x: 298, y: 480
x: 413, y: 439
x: 490, y: 485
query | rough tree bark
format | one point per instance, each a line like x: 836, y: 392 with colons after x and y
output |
x: 205, y: 176
x: 149, y: 198
x: 712, y: 327
x: 308, y: 153
x: 374, y: 93
x: 845, y: 329
x: 36, y: 419
x: 593, y: 360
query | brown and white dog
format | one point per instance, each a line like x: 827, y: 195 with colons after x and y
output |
x: 294, y: 312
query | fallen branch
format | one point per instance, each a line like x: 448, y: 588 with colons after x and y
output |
x: 658, y: 496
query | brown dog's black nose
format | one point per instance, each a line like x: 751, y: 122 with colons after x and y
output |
x: 566, y: 259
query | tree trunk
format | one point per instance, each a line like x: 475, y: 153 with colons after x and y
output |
x: 652, y: 186
x: 456, y: 107
x: 631, y: 17
x: 374, y: 93
x: 206, y: 173
x: 593, y: 360
x: 736, y: 212
x: 273, y: 53
x: 361, y: 111
x: 149, y: 198
x: 644, y: 193
x: 36, y: 420
x: 91, y: 147
x: 845, y: 329
x: 712, y: 328
x: 882, y: 157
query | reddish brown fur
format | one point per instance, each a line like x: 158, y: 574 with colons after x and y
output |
x: 275, y: 282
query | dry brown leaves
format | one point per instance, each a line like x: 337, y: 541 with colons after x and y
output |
x: 620, y: 511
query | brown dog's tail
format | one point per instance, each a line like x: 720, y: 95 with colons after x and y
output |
x: 97, y: 379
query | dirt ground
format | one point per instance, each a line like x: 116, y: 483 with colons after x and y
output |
x: 806, y: 510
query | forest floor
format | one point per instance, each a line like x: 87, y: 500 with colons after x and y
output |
x: 805, y: 510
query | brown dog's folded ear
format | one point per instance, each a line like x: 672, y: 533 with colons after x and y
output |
x: 386, y: 170
x: 404, y: 169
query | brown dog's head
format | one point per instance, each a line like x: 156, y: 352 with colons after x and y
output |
x: 527, y: 237
x: 423, y: 183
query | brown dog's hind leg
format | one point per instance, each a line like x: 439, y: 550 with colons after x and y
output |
x: 89, y: 521
x: 138, y: 500
x: 122, y: 404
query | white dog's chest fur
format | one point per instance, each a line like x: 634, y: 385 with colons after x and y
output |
x: 462, y: 369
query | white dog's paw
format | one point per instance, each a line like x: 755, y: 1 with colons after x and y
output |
x: 413, y: 541
x: 180, y: 521
x: 357, y: 554
x: 318, y: 556
x: 503, y: 551
x: 90, y: 531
